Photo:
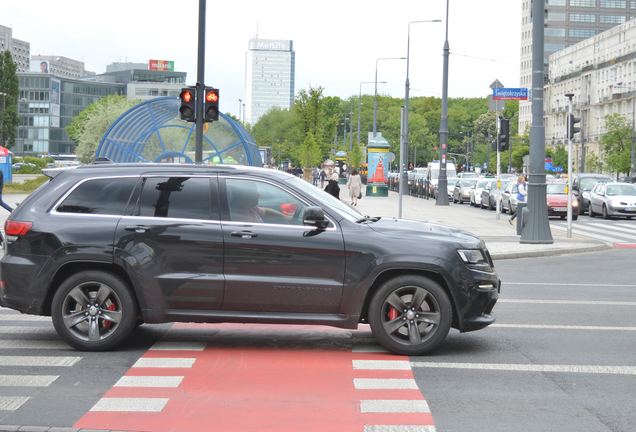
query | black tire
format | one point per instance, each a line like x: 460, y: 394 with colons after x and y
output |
x: 590, y: 212
x: 401, y: 325
x: 605, y: 214
x: 94, y: 310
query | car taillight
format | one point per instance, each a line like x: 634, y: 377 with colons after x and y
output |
x: 16, y: 228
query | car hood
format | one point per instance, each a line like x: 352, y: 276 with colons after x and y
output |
x: 425, y: 230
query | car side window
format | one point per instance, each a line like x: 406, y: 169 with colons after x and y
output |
x: 259, y: 202
x: 176, y: 197
x: 104, y: 196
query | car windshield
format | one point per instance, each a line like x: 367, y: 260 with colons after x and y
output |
x: 588, y: 183
x: 333, y: 204
x: 482, y: 183
x: 468, y: 183
x: 614, y: 190
x: 555, y: 188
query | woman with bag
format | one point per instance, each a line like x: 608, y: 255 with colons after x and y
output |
x: 355, y: 186
x: 522, y: 193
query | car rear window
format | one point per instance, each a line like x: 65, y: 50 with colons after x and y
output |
x: 105, y: 196
x: 176, y: 197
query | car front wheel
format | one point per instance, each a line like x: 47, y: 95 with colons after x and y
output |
x: 94, y: 310
x: 605, y: 212
x: 410, y: 315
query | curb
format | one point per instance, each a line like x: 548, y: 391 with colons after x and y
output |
x: 551, y: 252
x: 15, y: 428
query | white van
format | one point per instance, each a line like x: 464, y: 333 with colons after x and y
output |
x: 432, y: 174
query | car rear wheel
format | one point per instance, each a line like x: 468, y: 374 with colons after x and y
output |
x: 590, y: 211
x: 94, y: 310
x: 410, y: 315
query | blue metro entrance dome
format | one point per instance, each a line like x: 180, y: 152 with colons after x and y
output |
x: 154, y: 132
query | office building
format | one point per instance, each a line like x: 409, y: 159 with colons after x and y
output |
x: 601, y: 73
x: 20, y: 50
x: 270, y: 69
x: 59, y: 66
x: 566, y: 22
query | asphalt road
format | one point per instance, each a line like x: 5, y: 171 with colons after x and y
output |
x: 560, y: 356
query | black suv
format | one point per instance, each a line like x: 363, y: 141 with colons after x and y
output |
x: 106, y: 247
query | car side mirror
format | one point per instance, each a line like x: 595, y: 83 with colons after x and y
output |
x: 314, y: 216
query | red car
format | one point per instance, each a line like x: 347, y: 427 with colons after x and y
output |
x: 557, y: 201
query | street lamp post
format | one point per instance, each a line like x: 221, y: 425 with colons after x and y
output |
x: 631, y: 90
x: 468, y: 146
x: 375, y: 97
x: 404, y: 146
x: 239, y: 111
x: 442, y: 198
x: 360, y: 104
x: 2, y: 119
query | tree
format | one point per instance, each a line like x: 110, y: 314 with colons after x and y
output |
x: 355, y: 156
x: 617, y: 143
x: 9, y: 84
x: 310, y: 118
x: 593, y: 163
x: 309, y: 153
x: 89, y: 127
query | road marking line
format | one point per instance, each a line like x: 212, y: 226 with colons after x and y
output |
x: 394, y: 406
x: 399, y: 428
x: 569, y: 284
x: 382, y: 364
x: 38, y: 361
x: 27, y: 380
x: 178, y: 346
x: 149, y: 381
x: 33, y: 344
x: 11, y: 403
x: 131, y: 404
x: 165, y: 362
x: 571, y: 302
x: 607, y: 230
x: 384, y: 383
x: 613, y: 370
x: 563, y: 327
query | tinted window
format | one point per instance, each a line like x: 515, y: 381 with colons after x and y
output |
x: 107, y: 196
x: 176, y: 197
x: 259, y: 202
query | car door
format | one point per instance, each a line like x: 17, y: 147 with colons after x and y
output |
x: 596, y: 198
x: 274, y: 263
x: 173, y: 245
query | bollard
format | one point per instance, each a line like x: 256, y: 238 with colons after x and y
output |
x: 522, y: 216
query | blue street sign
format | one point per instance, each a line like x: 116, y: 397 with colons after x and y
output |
x: 510, y: 94
x: 557, y: 169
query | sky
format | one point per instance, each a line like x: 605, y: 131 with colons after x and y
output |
x: 337, y: 43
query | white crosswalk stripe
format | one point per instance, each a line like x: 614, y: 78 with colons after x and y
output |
x: 613, y: 231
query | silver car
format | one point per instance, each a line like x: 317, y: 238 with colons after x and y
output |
x: 509, y: 198
x: 475, y: 192
x: 461, y: 191
x: 613, y: 199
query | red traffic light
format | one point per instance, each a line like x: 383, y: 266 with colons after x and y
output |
x: 187, y: 96
x: 212, y: 96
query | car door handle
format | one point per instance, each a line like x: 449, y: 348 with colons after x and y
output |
x: 244, y: 234
x: 138, y: 228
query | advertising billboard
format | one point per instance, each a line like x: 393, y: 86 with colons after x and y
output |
x: 42, y: 66
x: 161, y: 65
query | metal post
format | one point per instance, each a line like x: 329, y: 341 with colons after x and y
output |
x: 239, y: 116
x: 198, y: 149
x: 351, y: 128
x: 375, y: 97
x: 537, y: 228
x: 567, y: 134
x: 442, y: 195
x: 498, y: 215
x: 633, y: 132
x: 2, y: 120
x: 402, y: 157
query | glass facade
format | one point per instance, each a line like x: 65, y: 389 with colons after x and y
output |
x: 50, y: 105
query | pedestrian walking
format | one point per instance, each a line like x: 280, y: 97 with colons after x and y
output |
x: 355, y: 186
x: 2, y: 203
x: 323, y: 177
x: 316, y: 175
x: 332, y: 187
x: 522, y: 193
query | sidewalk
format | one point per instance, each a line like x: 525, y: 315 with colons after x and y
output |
x: 500, y: 237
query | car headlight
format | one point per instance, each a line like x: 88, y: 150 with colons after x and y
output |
x: 472, y: 256
x: 614, y: 203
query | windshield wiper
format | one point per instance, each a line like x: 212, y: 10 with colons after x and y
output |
x: 369, y: 219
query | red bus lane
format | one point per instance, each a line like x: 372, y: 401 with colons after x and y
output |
x: 263, y: 377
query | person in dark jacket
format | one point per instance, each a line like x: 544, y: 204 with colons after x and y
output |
x: 2, y: 203
x: 332, y: 187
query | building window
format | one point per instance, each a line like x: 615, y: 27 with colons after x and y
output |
x: 556, y: 2
x: 556, y: 16
x: 574, y: 17
x: 552, y: 48
x: 584, y: 3
x: 614, y: 4
x: 614, y: 19
x: 554, y: 32
x: 582, y: 33
x: 632, y: 4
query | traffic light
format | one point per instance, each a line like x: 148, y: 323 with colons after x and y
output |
x: 187, y: 104
x: 504, y: 134
x: 211, y: 104
x: 571, y: 129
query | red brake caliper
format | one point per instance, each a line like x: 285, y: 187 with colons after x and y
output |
x: 108, y: 323
x: 393, y: 313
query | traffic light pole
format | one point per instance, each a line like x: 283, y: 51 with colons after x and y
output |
x: 198, y: 149
x: 570, y: 128
x: 498, y: 164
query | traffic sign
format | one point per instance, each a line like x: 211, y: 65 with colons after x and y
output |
x: 510, y: 94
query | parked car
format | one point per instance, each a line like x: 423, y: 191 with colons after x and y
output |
x: 450, y: 185
x: 17, y: 166
x: 490, y: 194
x: 582, y: 184
x: 475, y: 192
x: 461, y: 190
x: 468, y: 174
x: 509, y: 198
x: 103, y: 248
x: 613, y: 199
x: 557, y: 200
